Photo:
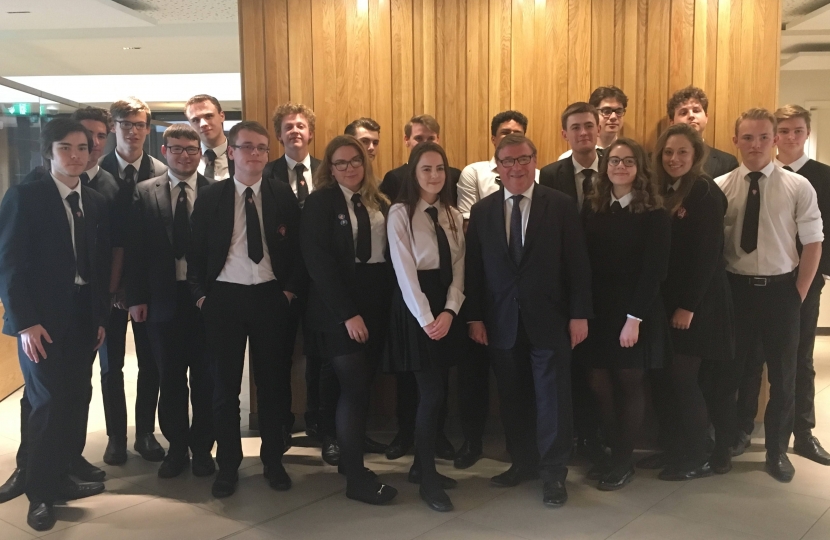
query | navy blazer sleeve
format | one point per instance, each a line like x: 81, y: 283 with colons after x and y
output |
x: 15, y: 261
x: 474, y: 278
x: 655, y: 263
x: 197, y: 252
x: 577, y: 270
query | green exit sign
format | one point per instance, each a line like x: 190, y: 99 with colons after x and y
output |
x: 20, y: 109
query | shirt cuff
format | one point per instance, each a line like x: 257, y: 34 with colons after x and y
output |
x: 633, y: 317
x: 425, y: 320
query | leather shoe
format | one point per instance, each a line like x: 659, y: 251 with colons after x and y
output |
x: 686, y: 471
x: 743, y: 442
x: 721, y: 460
x: 414, y: 477
x: 399, y: 446
x: 513, y: 476
x: 331, y: 451
x: 554, y: 493
x: 86, y: 471
x: 278, y: 479
x: 655, y: 461
x: 779, y: 467
x: 467, y: 455
x: 617, y: 478
x: 370, y: 491
x: 41, y: 516
x: 443, y: 447
x: 591, y: 449
x: 14, y: 487
x: 599, y: 470
x: 116, y: 452
x: 71, y: 490
x: 810, y: 448
x: 202, y: 465
x: 371, y: 446
x: 149, y: 448
x: 436, y: 499
x: 225, y: 484
x: 172, y: 466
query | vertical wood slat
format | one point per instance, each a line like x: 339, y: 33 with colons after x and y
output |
x: 380, y: 67
x: 681, y: 43
x: 402, y: 76
x: 275, y: 20
x: 657, y: 75
x: 324, y: 24
x: 253, y: 58
x: 500, y: 67
x: 477, y: 85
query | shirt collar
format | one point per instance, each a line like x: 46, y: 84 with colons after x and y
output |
x: 346, y: 192
x: 219, y: 150
x: 527, y: 194
x: 122, y: 163
x: 93, y: 172
x: 766, y: 171
x: 624, y: 201
x: 493, y: 163
x: 579, y: 168
x: 797, y: 164
x: 676, y: 185
x: 423, y: 205
x: 64, y: 189
x: 306, y: 161
x: 174, y: 180
x: 240, y: 187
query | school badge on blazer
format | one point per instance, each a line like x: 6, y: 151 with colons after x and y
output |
x: 342, y: 218
x: 281, y: 230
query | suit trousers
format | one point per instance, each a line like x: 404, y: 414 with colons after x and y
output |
x: 178, y: 346
x: 535, y: 400
x: 257, y: 315
x: 111, y: 356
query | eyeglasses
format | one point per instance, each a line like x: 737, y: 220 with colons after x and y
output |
x: 607, y: 111
x: 521, y: 160
x: 249, y: 148
x: 127, y: 126
x: 176, y: 150
x: 342, y: 165
x: 627, y: 162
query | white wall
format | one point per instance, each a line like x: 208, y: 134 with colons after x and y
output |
x: 799, y: 87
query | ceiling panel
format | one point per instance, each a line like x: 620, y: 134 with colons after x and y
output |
x: 49, y: 14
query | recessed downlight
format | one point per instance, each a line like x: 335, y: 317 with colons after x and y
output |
x: 131, y: 48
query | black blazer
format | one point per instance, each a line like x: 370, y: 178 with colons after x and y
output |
x: 719, y: 163
x: 394, y: 179
x: 551, y: 285
x: 278, y: 169
x: 212, y: 228
x: 37, y: 262
x: 150, y: 272
x: 561, y: 176
x: 819, y: 176
x: 103, y: 182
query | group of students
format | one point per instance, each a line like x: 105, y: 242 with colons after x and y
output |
x: 578, y: 284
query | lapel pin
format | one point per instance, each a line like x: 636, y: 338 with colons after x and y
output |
x: 281, y: 230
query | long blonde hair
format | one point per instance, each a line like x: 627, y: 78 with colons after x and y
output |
x: 369, y: 191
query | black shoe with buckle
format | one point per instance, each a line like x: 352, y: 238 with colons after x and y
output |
x: 367, y: 489
x: 809, y: 447
x: 14, y: 487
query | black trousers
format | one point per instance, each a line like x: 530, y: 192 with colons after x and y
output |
x: 257, y: 315
x: 805, y: 376
x: 770, y: 316
x: 56, y: 388
x: 111, y: 355
x: 178, y: 346
x: 473, y: 391
x: 586, y: 414
x: 535, y: 400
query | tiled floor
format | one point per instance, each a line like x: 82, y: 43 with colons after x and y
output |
x: 744, y: 504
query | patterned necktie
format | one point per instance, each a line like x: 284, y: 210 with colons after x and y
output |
x: 252, y: 226
x: 302, y: 186
x: 363, y: 249
x: 749, y: 234
x: 210, y: 162
x: 129, y: 174
x: 81, y: 253
x: 516, y: 245
x: 587, y: 186
x: 181, y: 223
x: 444, y: 253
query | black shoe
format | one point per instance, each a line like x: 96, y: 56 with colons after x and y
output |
x: 554, y: 493
x: 71, y: 490
x: 116, y: 452
x: 41, y: 516
x: 399, y: 446
x: 686, y: 471
x: 513, y: 476
x: 721, y: 460
x: 656, y: 461
x: 331, y: 451
x: 370, y: 491
x: 202, y: 465
x: 172, y: 466
x: 744, y: 441
x: 467, y: 455
x: 86, y: 471
x: 779, y: 467
x: 592, y: 450
x: 312, y: 430
x: 414, y: 477
x: 436, y: 499
x: 225, y: 484
x: 371, y: 446
x: 149, y: 448
x: 617, y: 478
x: 443, y: 447
x: 286, y: 440
x: 277, y: 477
x: 810, y: 448
x: 14, y: 487
x: 599, y: 470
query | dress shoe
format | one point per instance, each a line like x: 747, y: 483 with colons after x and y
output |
x: 591, y: 449
x: 436, y: 499
x: 86, y: 471
x: 743, y: 441
x: 202, y: 465
x: 14, y: 487
x: 617, y: 478
x: 225, y: 484
x: 149, y: 448
x: 779, y: 467
x: 443, y: 447
x: 686, y: 471
x: 370, y: 491
x: 655, y: 461
x: 414, y: 477
x: 554, y: 493
x: 467, y: 455
x: 71, y: 490
x: 721, y: 460
x: 278, y: 479
x: 599, y: 470
x: 41, y: 516
x: 173, y: 466
x: 513, y: 476
x: 371, y: 446
x: 331, y: 451
x: 399, y: 446
x: 116, y: 452
x: 810, y: 448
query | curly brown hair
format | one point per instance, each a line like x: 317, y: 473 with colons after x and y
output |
x: 644, y: 190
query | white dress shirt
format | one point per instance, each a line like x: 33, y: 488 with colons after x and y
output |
x: 378, y: 228
x: 65, y: 191
x: 220, y: 164
x: 174, y: 181
x: 524, y: 205
x: 579, y: 176
x: 122, y: 164
x: 292, y: 174
x: 416, y: 248
x: 795, y: 165
x: 477, y: 181
x: 238, y: 267
x: 624, y: 201
x: 788, y: 207
x: 569, y: 153
x: 93, y: 172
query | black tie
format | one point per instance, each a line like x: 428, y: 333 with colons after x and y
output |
x: 302, y: 187
x: 616, y: 207
x: 516, y: 247
x: 788, y: 168
x: 252, y: 224
x: 81, y: 255
x: 363, y: 250
x: 670, y: 190
x: 210, y: 160
x: 749, y: 234
x: 181, y: 223
x: 444, y: 253
x: 587, y: 185
x: 129, y: 174
x: 84, y: 179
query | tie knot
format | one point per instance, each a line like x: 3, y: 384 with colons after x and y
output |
x: 249, y: 195
x: 73, y: 199
x: 517, y: 198
x: 755, y: 176
x: 588, y: 173
x: 210, y: 155
x: 788, y: 168
x: 129, y: 172
x: 356, y: 200
x: 299, y: 168
x: 433, y: 213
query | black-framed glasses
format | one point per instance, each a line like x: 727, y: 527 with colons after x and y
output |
x: 249, y: 148
x: 191, y: 150
x: 627, y: 162
x: 521, y: 160
x: 126, y: 125
x: 342, y: 164
x: 608, y: 111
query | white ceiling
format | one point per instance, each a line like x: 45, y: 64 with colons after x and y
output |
x: 805, y: 38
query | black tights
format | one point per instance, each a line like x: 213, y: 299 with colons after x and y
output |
x: 431, y: 390
x: 354, y: 374
x: 685, y: 372
x: 621, y: 399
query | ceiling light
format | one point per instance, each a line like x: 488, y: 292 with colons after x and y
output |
x: 131, y: 48
x: 17, y: 12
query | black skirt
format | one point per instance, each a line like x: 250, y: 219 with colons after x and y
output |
x: 374, y: 283
x: 408, y: 348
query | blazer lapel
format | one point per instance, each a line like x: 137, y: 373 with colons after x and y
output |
x: 225, y: 215
x: 341, y: 209
x: 146, y: 170
x: 281, y: 170
x: 538, y: 205
x: 165, y: 205
x: 567, y: 179
x: 497, y: 224
x: 59, y: 211
x: 91, y: 227
x: 269, y: 214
